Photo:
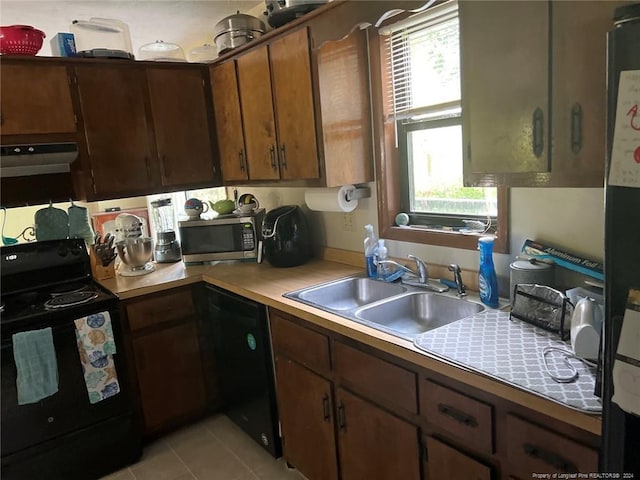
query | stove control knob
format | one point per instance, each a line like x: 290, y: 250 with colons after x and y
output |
x: 76, y: 250
x: 50, y: 419
x: 62, y: 250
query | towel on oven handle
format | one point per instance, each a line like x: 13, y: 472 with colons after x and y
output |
x: 36, y: 365
x: 96, y: 347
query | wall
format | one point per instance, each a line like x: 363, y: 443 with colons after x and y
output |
x: 567, y: 218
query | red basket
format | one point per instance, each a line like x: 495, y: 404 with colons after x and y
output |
x: 20, y: 40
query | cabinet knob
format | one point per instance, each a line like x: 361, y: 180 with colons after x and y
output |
x: 242, y: 162
x: 325, y: 408
x: 342, y: 422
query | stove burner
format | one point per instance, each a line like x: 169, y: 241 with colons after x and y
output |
x: 70, y: 299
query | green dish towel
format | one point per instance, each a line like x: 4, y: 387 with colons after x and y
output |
x: 36, y: 365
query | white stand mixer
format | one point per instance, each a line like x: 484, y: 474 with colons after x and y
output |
x: 134, y: 246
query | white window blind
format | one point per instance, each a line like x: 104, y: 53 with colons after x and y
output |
x: 424, y: 53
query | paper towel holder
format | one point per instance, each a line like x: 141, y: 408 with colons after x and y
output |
x: 357, y: 193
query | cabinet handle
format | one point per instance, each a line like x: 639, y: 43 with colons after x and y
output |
x: 457, y: 415
x: 147, y: 165
x: 538, y: 132
x: 283, y: 156
x: 576, y: 128
x: 272, y: 153
x: 241, y: 158
x: 165, y: 165
x: 325, y: 408
x: 550, y: 458
x: 342, y: 423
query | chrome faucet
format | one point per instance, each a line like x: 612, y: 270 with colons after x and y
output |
x: 421, y: 275
x: 457, y: 276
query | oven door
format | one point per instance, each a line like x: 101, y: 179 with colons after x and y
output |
x: 67, y: 410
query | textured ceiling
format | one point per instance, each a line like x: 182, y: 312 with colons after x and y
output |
x: 188, y: 23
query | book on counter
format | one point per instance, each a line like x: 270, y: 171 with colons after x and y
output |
x: 571, y: 261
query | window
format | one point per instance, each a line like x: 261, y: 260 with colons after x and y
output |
x: 420, y: 63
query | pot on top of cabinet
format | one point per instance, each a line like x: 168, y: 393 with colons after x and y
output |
x: 280, y: 12
x: 236, y: 30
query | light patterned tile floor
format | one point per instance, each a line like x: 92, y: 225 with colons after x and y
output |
x: 213, y: 449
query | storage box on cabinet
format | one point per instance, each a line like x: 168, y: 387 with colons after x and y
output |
x: 533, y: 449
x: 462, y: 416
x: 375, y: 378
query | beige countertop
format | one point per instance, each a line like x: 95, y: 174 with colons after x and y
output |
x: 266, y: 284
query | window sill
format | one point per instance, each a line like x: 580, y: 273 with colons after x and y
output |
x: 467, y: 241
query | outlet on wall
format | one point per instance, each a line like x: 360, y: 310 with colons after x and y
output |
x: 348, y: 222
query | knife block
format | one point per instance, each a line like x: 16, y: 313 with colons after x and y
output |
x: 98, y: 271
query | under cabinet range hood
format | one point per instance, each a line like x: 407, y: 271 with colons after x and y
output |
x: 37, y: 159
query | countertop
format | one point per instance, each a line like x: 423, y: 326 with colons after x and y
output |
x: 266, y: 284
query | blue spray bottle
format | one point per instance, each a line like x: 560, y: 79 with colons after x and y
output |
x: 487, y: 278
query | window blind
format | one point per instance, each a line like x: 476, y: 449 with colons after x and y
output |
x: 424, y: 56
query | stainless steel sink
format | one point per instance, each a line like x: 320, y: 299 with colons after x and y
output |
x: 417, y: 312
x: 349, y: 293
x: 397, y: 309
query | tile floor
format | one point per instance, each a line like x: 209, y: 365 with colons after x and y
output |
x: 213, y: 449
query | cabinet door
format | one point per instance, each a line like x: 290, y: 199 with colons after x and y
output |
x: 446, y: 462
x: 169, y: 375
x: 116, y: 129
x: 182, y: 126
x: 579, y: 91
x: 257, y: 114
x: 294, y: 100
x: 504, y: 69
x: 35, y: 100
x: 374, y: 443
x: 226, y: 107
x: 306, y: 417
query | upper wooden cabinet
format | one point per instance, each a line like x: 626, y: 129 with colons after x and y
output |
x: 147, y: 129
x: 532, y: 116
x: 182, y: 126
x: 117, y: 130
x: 36, y: 99
x: 305, y: 112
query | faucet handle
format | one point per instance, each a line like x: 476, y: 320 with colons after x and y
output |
x: 421, y: 267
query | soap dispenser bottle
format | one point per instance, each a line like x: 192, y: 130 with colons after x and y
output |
x: 370, y: 251
x: 487, y: 278
x: 382, y: 255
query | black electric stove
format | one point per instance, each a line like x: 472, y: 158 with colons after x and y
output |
x: 49, y: 284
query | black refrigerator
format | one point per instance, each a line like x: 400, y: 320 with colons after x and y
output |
x: 620, y: 430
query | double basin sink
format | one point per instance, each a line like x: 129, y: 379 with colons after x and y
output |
x: 394, y: 308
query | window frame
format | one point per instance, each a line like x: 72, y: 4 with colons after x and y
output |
x: 388, y: 165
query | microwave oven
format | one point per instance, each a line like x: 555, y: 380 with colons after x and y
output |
x: 227, y: 237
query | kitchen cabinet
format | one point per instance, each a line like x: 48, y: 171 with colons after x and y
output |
x: 313, y: 401
x: 542, y: 124
x: 164, y: 336
x: 305, y: 111
x: 147, y: 128
x: 446, y: 462
x: 117, y: 130
x: 182, y: 126
x: 36, y: 99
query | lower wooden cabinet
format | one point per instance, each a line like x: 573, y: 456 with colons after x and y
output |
x: 445, y: 462
x: 305, y: 405
x: 374, y: 443
x: 166, y: 354
x: 169, y: 372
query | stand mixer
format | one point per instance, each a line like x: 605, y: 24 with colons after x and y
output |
x: 134, y: 248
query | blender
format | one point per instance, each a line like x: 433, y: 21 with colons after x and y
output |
x: 167, y: 247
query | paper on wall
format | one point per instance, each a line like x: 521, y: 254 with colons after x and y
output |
x: 626, y: 367
x: 625, y: 153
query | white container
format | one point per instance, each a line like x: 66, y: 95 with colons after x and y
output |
x: 161, y: 51
x: 102, y: 37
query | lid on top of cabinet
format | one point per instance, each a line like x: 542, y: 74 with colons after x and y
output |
x: 626, y: 13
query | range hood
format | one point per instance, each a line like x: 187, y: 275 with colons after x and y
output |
x: 36, y: 159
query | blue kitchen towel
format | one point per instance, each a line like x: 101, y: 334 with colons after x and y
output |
x: 36, y: 365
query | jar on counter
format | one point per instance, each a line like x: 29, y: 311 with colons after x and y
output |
x: 531, y: 271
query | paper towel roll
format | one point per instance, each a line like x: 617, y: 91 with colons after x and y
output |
x: 330, y: 199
